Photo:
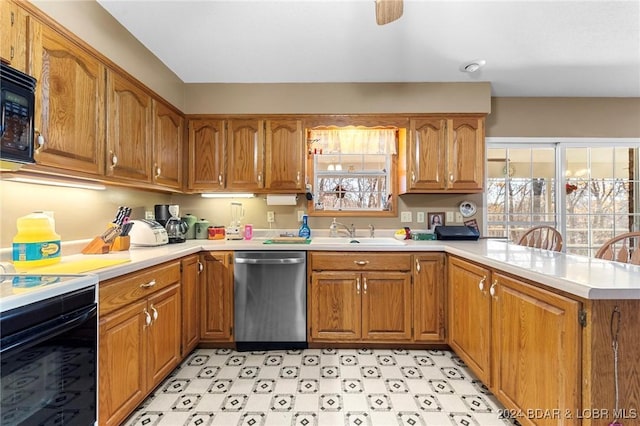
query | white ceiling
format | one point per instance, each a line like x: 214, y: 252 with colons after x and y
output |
x: 531, y: 48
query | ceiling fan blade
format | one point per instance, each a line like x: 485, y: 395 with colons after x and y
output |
x: 388, y: 11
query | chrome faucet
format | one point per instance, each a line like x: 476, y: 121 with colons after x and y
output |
x: 350, y: 230
x: 372, y: 231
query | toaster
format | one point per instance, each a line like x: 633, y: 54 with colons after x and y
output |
x: 148, y: 233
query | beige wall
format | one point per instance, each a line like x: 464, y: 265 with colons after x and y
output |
x: 338, y: 98
x: 564, y: 117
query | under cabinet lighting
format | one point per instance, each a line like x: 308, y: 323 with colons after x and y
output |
x: 53, y: 181
x: 227, y: 195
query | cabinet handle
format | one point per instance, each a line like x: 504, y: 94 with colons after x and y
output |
x: 413, y: 177
x: 260, y: 179
x: 200, y: 267
x: 365, y: 284
x: 39, y: 138
x: 158, y: 171
x: 149, y: 284
x: 114, y: 159
x: 147, y: 318
x: 358, y: 285
x: 492, y: 289
x: 361, y: 262
x: 298, y: 175
x: 155, y: 312
x: 450, y: 177
x: 481, y: 283
x: 220, y: 179
x: 417, y: 265
x: 12, y: 52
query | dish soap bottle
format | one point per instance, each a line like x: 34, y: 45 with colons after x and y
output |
x: 304, y: 230
x: 333, y: 228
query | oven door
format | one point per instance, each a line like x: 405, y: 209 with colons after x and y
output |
x: 48, y: 362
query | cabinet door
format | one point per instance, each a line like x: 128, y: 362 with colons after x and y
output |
x: 216, y: 296
x: 386, y: 306
x: 164, y: 334
x: 70, y: 102
x: 427, y: 154
x: 470, y: 315
x: 207, y: 155
x: 190, y: 297
x: 428, y: 298
x: 537, y: 346
x: 335, y: 312
x: 122, y: 361
x: 466, y: 154
x: 129, y: 130
x: 245, y: 142
x: 168, y: 130
x: 285, y: 151
x: 14, y: 36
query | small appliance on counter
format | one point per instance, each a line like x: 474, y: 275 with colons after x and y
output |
x: 161, y: 213
x: 148, y: 233
x: 176, y: 228
x: 233, y: 232
x: 456, y: 233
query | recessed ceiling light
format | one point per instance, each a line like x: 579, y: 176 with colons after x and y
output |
x: 473, y: 66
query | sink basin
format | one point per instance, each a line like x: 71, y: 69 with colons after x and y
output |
x: 377, y: 241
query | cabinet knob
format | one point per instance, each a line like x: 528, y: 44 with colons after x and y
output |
x: 481, y: 283
x: 149, y: 284
x: 147, y: 318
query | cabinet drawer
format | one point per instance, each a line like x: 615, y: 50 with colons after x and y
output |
x: 365, y: 261
x: 121, y: 291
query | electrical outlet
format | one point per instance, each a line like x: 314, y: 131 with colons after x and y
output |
x: 300, y: 214
x: 449, y: 217
x: 271, y: 217
x: 459, y: 217
x: 405, y: 217
x: 149, y: 215
x: 420, y: 217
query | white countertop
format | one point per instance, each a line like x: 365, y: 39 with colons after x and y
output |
x: 581, y: 276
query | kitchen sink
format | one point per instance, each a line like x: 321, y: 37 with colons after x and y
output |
x: 376, y: 241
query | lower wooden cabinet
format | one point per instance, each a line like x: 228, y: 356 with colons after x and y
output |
x: 368, y: 300
x: 190, y: 295
x: 428, y: 298
x: 139, y: 335
x: 216, y: 297
x: 536, y: 350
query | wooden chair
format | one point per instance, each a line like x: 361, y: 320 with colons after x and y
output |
x: 542, y: 237
x: 622, y: 248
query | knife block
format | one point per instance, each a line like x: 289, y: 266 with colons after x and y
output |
x: 121, y: 243
x: 96, y: 246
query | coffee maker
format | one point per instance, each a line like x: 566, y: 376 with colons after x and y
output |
x: 176, y: 227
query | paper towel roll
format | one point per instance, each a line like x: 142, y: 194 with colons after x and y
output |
x: 281, y: 199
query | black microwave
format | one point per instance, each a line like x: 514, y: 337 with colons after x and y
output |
x: 17, y: 105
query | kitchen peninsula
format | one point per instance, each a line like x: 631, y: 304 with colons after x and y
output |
x: 517, y: 316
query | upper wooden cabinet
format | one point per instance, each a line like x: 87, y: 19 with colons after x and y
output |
x: 443, y: 154
x: 168, y: 133
x: 16, y: 29
x: 207, y: 152
x: 241, y: 154
x: 285, y: 155
x: 245, y: 144
x: 129, y: 118
x: 70, y: 102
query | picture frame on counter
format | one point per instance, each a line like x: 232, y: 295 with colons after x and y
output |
x: 435, y: 219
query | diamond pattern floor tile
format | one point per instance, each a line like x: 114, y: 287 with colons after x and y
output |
x: 318, y: 387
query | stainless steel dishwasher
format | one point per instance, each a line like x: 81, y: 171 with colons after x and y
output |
x: 270, y: 299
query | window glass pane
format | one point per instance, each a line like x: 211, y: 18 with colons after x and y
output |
x: 601, y: 166
x: 520, y: 162
x: 576, y: 164
x: 623, y: 168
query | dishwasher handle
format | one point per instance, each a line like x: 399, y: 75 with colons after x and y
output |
x: 283, y: 261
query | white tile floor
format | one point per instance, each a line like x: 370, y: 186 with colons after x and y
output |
x: 318, y: 387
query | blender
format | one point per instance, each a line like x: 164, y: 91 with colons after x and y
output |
x: 176, y: 227
x: 237, y: 213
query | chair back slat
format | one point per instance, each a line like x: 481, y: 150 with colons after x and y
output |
x: 621, y: 248
x: 542, y: 237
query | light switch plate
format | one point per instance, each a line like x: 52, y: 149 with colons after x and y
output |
x: 459, y: 217
x: 405, y: 217
x: 300, y: 214
x: 449, y: 217
x: 420, y: 217
x: 271, y: 217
